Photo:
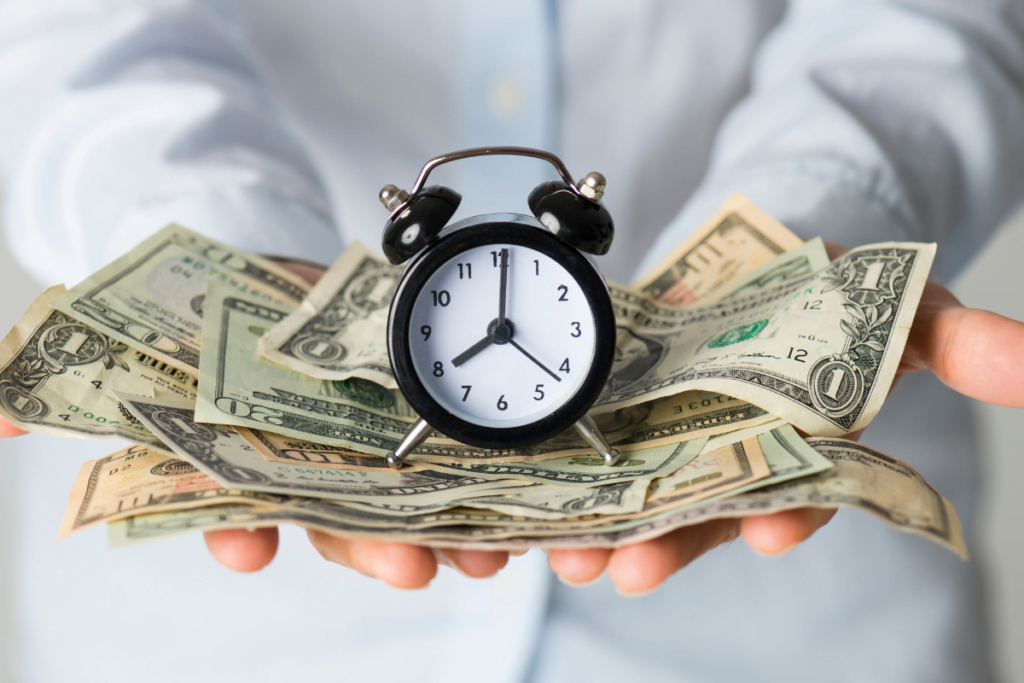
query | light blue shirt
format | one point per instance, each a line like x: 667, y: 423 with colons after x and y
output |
x: 273, y: 125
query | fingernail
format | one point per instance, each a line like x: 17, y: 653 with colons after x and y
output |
x: 775, y: 553
x: 518, y: 553
x: 578, y: 584
x: 636, y: 594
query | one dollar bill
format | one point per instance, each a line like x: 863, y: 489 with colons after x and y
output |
x: 56, y: 374
x: 819, y: 352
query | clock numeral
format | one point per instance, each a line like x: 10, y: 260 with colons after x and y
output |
x: 578, y: 331
x: 502, y: 403
x: 539, y: 390
x: 469, y: 271
x: 494, y: 257
x: 564, y: 290
x: 438, y: 369
x: 425, y: 331
x: 564, y: 367
x: 536, y: 265
x: 442, y: 297
x: 467, y: 387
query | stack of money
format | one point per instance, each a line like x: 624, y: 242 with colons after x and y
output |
x: 252, y: 398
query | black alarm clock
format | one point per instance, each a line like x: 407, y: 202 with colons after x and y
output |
x: 501, y: 332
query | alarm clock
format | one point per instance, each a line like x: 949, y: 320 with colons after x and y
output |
x: 501, y: 332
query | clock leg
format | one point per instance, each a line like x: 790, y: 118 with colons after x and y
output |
x: 416, y: 435
x: 589, y: 431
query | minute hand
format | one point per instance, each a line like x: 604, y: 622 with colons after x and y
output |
x: 539, y: 364
x: 504, y: 286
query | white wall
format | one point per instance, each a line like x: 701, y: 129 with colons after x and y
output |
x: 995, y: 281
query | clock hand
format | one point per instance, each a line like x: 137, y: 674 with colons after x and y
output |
x: 473, y: 350
x: 539, y: 364
x: 504, y: 286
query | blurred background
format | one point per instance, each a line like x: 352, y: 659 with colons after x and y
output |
x: 995, y: 280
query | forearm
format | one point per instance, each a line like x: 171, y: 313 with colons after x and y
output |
x: 162, y: 119
x: 876, y: 121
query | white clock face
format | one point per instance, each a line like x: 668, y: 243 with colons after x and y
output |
x: 494, y: 374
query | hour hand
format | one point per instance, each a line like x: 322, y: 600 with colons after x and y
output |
x: 473, y: 350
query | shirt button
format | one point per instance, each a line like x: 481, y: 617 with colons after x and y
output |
x: 505, y: 97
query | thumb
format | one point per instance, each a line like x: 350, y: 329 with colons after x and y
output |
x: 977, y: 353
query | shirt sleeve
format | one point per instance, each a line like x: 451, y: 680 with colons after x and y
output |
x: 129, y: 116
x: 875, y: 121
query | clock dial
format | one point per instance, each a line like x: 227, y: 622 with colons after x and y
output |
x: 501, y: 361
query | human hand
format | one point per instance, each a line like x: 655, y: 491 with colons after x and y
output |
x: 977, y: 353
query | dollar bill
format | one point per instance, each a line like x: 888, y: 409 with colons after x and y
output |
x: 135, y: 480
x: 860, y: 478
x: 557, y: 502
x: 788, y: 457
x: 338, y: 331
x: 225, y: 456
x: 56, y: 374
x: 799, y: 262
x: 709, y: 474
x: 240, y: 388
x: 585, y: 470
x: 277, y: 448
x: 152, y: 298
x: 820, y: 352
x: 783, y: 452
x: 738, y: 239
x: 722, y: 440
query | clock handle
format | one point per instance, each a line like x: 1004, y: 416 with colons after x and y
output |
x: 503, y: 151
x: 589, y: 431
x: 416, y: 435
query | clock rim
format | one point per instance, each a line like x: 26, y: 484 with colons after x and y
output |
x: 517, y: 230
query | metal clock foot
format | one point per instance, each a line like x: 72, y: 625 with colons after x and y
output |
x: 589, y: 431
x: 416, y: 435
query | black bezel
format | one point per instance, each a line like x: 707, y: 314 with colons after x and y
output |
x: 500, y: 229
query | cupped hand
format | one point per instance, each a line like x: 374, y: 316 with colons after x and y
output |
x: 976, y: 353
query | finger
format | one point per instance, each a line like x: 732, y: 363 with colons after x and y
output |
x: 578, y: 567
x: 976, y: 353
x: 778, y: 533
x: 640, y: 568
x: 834, y: 250
x: 397, y: 564
x: 7, y: 429
x: 310, y: 272
x: 241, y: 550
x: 477, y: 564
